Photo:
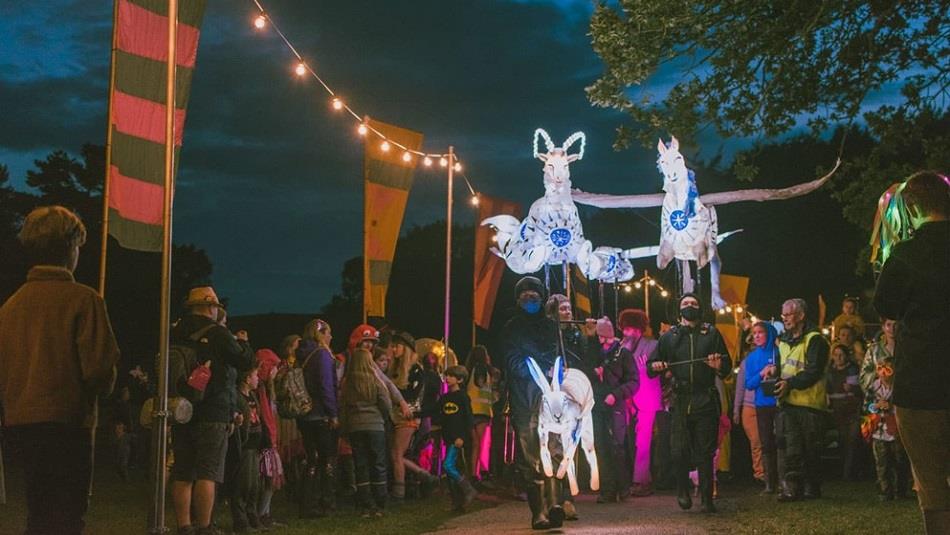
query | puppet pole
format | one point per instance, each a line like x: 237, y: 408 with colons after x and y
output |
x: 448, y: 253
x: 159, y: 426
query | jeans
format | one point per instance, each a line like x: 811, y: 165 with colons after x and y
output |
x: 57, y: 461
x: 452, y: 456
x: 369, y: 458
x: 246, y: 489
x: 610, y: 432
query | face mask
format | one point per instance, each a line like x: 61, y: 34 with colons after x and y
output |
x: 690, y: 313
x: 531, y: 306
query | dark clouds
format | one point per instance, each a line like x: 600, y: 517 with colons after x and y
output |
x: 270, y: 177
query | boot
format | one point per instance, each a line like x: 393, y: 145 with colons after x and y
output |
x: 771, y: 473
x: 552, y: 499
x: 683, y: 497
x: 706, y: 484
x: 539, y: 517
x: 791, y: 490
x: 570, y: 511
x: 310, y: 495
x: 812, y: 489
x: 468, y: 492
x: 328, y: 486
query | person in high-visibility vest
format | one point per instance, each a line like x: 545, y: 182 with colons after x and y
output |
x: 803, y: 360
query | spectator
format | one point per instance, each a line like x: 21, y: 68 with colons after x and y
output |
x: 455, y: 419
x: 615, y: 381
x: 803, y: 354
x: 889, y: 457
x: 844, y: 394
x: 743, y: 413
x: 880, y: 350
x: 480, y: 391
x: 848, y: 337
x: 319, y: 427
x: 200, y: 446
x: 849, y: 316
x: 365, y: 406
x: 289, y: 441
x: 763, y: 355
x: 249, y: 435
x: 578, y: 340
x: 271, y: 468
x: 407, y: 374
x: 914, y: 289
x: 57, y: 358
x: 695, y: 406
x: 634, y: 325
x: 124, y: 431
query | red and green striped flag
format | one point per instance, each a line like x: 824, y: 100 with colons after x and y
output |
x: 137, y: 104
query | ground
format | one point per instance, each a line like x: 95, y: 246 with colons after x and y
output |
x: 849, y: 507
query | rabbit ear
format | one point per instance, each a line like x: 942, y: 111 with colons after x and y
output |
x: 538, y: 375
x: 558, y: 375
x: 674, y: 143
x: 660, y: 147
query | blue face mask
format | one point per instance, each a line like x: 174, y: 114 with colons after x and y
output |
x: 531, y: 306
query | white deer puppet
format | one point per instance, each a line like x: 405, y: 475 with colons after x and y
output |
x: 551, y: 233
x: 566, y: 406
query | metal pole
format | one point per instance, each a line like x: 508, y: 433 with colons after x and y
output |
x: 646, y: 292
x: 161, y: 414
x: 105, y: 183
x: 366, y: 279
x: 448, y: 251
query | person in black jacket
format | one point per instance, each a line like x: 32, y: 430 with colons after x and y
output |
x: 914, y: 289
x: 614, y: 379
x: 531, y: 334
x: 200, y: 446
x: 456, y: 420
x: 695, y: 405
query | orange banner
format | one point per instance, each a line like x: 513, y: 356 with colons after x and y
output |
x: 488, y: 266
x: 387, y: 181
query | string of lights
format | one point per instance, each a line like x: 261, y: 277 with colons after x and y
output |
x: 364, y: 128
x: 646, y: 280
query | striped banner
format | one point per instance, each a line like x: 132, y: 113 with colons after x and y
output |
x: 137, y: 130
x: 387, y: 181
x: 488, y: 267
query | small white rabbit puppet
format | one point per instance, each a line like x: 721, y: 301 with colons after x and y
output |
x: 566, y: 407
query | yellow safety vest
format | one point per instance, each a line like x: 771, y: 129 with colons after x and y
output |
x: 481, y: 397
x: 793, y: 361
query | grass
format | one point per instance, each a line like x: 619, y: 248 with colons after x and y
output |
x: 122, y: 508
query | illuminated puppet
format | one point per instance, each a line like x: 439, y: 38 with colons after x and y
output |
x: 688, y: 224
x: 552, y: 234
x: 566, y: 407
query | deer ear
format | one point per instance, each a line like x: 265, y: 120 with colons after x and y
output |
x: 538, y: 375
x: 674, y: 143
x: 660, y: 147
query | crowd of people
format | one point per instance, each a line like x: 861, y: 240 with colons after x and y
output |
x: 389, y: 419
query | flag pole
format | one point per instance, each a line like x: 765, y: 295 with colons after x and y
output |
x: 448, y: 251
x: 161, y: 414
x: 105, y: 183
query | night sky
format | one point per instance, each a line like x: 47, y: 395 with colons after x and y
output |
x: 270, y: 180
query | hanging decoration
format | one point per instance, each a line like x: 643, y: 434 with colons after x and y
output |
x: 891, y: 225
x: 552, y: 233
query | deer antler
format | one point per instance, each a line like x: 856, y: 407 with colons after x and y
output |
x: 547, y: 141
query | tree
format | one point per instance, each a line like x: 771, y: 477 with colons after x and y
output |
x: 763, y: 68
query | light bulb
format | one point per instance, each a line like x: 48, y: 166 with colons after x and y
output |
x: 627, y: 289
x: 739, y: 310
x: 406, y: 157
x: 458, y: 167
x: 443, y: 162
x: 260, y: 22
x: 474, y: 200
x: 728, y: 308
x: 722, y: 311
x: 385, y: 146
x: 652, y: 282
x: 337, y: 103
x: 301, y: 69
x: 362, y: 129
x: 665, y: 293
x: 427, y: 162
x: 637, y: 285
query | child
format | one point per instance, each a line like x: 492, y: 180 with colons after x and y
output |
x: 455, y: 417
x: 889, y: 457
x: 246, y: 486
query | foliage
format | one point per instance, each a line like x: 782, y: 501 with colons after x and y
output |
x: 762, y: 68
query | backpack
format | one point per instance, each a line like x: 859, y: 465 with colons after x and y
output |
x: 183, y: 358
x: 293, y: 400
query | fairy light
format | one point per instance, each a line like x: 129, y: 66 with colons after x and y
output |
x: 637, y: 285
x: 722, y: 311
x: 337, y: 103
x: 652, y: 282
x: 406, y: 157
x: 739, y: 309
x: 627, y: 288
x: 260, y: 22
x: 301, y: 69
x: 362, y: 130
x: 665, y: 293
x: 385, y: 146
x: 458, y: 167
x: 728, y: 308
x: 474, y: 200
x: 427, y: 161
x: 443, y: 161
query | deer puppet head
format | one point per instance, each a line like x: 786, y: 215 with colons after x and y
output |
x: 557, y: 176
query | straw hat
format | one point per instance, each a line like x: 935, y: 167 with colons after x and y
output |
x: 203, y: 296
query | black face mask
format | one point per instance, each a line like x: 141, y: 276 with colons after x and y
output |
x: 690, y: 313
